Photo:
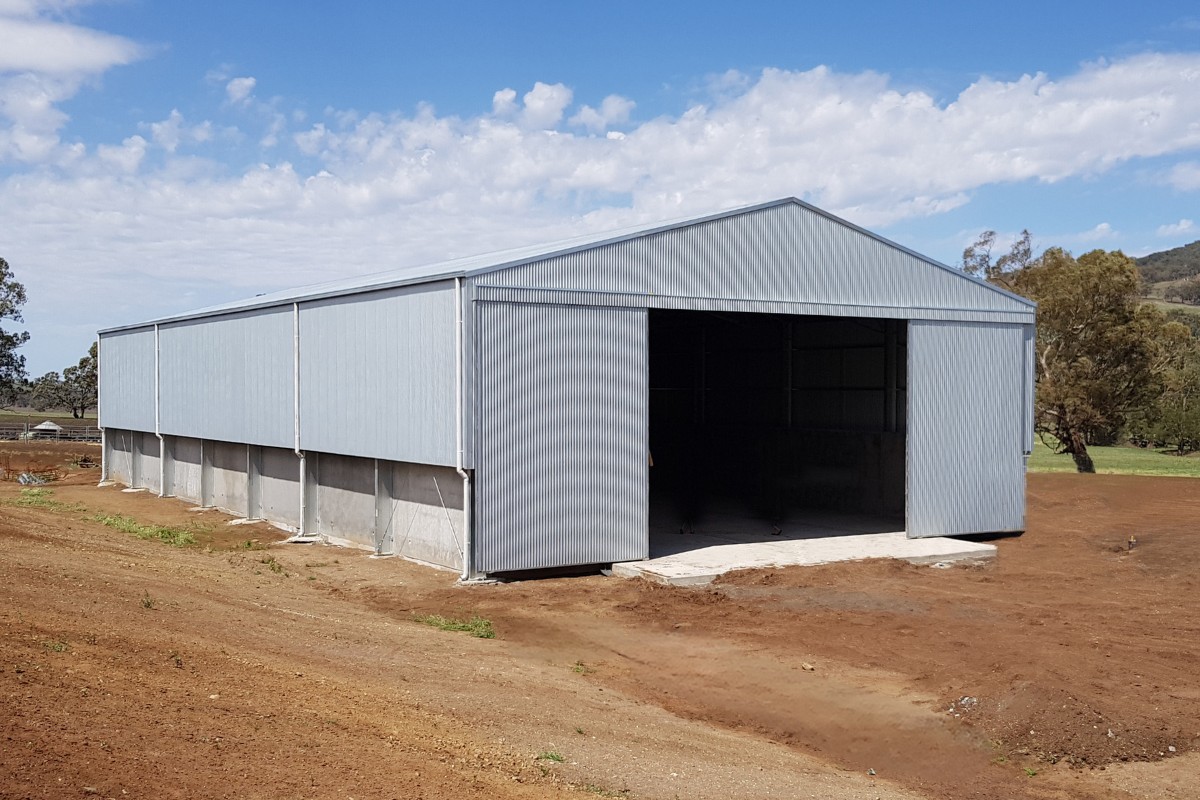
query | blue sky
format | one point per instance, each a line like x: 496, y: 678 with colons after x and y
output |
x: 160, y: 156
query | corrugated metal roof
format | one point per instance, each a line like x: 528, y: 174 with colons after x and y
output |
x: 491, y: 262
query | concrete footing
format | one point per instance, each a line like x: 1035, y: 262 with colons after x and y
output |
x: 705, y: 564
x: 392, y: 508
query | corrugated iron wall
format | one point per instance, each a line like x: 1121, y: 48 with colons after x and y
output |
x: 229, y: 378
x: 504, y: 294
x: 783, y: 253
x: 126, y: 365
x: 968, y: 427
x: 377, y: 374
x: 562, y: 443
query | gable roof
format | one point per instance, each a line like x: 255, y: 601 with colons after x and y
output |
x: 484, y: 264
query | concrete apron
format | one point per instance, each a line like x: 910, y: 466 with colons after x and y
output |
x: 703, y: 565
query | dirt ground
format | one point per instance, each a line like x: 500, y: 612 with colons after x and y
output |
x: 245, y: 667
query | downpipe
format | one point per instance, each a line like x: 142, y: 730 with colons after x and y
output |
x: 103, y: 433
x: 468, y: 559
x: 103, y: 457
x: 162, y: 443
x: 302, y: 536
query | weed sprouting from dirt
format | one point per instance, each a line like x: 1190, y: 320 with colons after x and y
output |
x: 478, y: 627
x: 41, y: 498
x: 551, y: 755
x: 581, y: 668
x: 56, y: 647
x: 600, y: 790
x: 176, y: 537
x: 252, y: 544
x: 273, y: 565
x: 148, y: 601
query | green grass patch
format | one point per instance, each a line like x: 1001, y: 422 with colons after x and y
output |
x: 41, y: 498
x: 176, y: 537
x: 1119, y: 461
x: 551, y: 755
x: 1169, y: 305
x: 478, y: 627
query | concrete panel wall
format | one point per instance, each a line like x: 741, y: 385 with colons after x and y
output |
x: 118, y: 455
x: 126, y: 369
x: 183, y: 477
x: 229, y: 482
x: 420, y: 507
x: 279, y: 487
x: 230, y: 378
x: 147, y: 453
x: 423, y: 516
x: 346, y: 498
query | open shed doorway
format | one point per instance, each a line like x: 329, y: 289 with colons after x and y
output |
x: 768, y: 426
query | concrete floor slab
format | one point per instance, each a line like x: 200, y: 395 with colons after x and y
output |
x: 697, y: 566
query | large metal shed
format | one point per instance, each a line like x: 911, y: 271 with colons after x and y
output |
x: 503, y: 413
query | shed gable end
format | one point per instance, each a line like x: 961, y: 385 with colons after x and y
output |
x: 787, y: 252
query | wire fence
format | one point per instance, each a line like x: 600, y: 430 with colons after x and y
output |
x: 27, y: 432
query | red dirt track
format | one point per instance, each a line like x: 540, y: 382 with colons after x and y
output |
x: 130, y: 668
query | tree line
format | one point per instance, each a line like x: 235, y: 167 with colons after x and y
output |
x: 1108, y: 366
x: 76, y: 388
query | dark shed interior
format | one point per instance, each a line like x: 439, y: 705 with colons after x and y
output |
x: 769, y: 417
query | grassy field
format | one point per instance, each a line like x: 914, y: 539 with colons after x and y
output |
x: 1168, y: 305
x: 21, y: 416
x: 1119, y: 461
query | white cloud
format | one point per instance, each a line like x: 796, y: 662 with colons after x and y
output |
x: 1097, y: 234
x: 504, y: 102
x: 363, y: 191
x: 34, y: 44
x: 1176, y: 228
x: 28, y: 105
x: 239, y: 90
x: 1185, y: 176
x: 275, y: 130
x: 614, y: 110
x: 172, y: 131
x: 127, y: 157
x: 43, y: 62
x: 544, y: 104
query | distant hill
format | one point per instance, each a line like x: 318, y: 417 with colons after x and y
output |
x: 1171, y: 265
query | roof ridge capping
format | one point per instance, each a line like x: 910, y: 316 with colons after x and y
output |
x: 484, y: 263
